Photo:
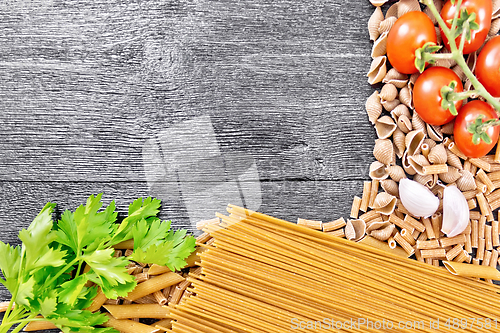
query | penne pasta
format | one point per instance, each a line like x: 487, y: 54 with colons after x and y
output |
x: 155, y: 311
x: 39, y: 325
x: 488, y: 238
x: 356, y: 204
x: 129, y: 326
x: 154, y: 284
x: 313, y: 224
x: 450, y: 241
x: 365, y: 198
x: 477, y: 271
x: 334, y: 225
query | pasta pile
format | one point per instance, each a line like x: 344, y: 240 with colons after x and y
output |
x: 263, y: 274
x: 408, y: 147
x: 146, y: 308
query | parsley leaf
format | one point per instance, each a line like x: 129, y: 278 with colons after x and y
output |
x: 45, y: 274
x: 155, y: 243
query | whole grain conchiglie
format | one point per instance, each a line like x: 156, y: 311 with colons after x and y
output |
x: 418, y: 124
x: 466, y: 182
x: 413, y: 141
x: 431, y: 143
x: 405, y: 96
x: 374, y: 22
x: 378, y: 70
x: 396, y: 172
x: 386, y: 25
x: 495, y: 5
x: 398, y: 137
x: 390, y: 105
x: 373, y: 107
x: 408, y: 168
x: 400, y: 110
x: 384, y: 203
x: 405, y: 6
x: 454, y: 160
x: 390, y: 186
x: 437, y: 155
x: 384, y: 151
x: 384, y: 127
x: 434, y: 132
x: 451, y: 176
x: 392, y: 11
x: 383, y: 233
x: 494, y: 28
x: 380, y: 46
x: 396, y: 78
x: 389, y: 92
x: 418, y: 162
x: 355, y: 229
x: 427, y: 180
x: 448, y: 128
x: 404, y: 124
x: 378, y: 171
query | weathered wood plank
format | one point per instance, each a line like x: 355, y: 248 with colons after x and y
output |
x: 83, y: 90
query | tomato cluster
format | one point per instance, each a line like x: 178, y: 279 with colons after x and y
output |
x: 413, y: 31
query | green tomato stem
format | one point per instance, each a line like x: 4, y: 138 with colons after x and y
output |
x: 458, y: 96
x: 457, y: 52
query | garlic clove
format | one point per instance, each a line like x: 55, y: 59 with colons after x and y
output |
x: 417, y: 198
x: 455, y: 212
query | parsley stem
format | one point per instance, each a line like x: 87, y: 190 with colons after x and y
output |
x: 62, y: 271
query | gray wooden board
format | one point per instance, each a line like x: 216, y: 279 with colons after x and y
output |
x: 196, y: 102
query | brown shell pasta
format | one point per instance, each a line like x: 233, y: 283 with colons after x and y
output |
x: 380, y: 46
x: 396, y: 78
x: 396, y: 172
x: 417, y: 162
x: 454, y: 160
x: 389, y: 92
x: 390, y: 186
x: 431, y: 143
x: 438, y: 155
x: 378, y: 171
x: 383, y: 233
x: 385, y: 203
x: 418, y: 123
x: 385, y: 126
x: 495, y: 4
x: 404, y: 124
x: 448, y: 128
x: 466, y: 182
x: 384, y: 151
x: 392, y: 11
x: 373, y: 107
x: 400, y: 110
x: 451, y: 176
x: 374, y: 23
x: 427, y: 180
x: 386, y: 25
x: 378, y: 3
x: 408, y: 168
x: 378, y: 70
x: 398, y: 137
x: 495, y: 27
x: 355, y: 229
x: 389, y: 106
x: 405, y: 6
x: 405, y: 96
x: 434, y: 132
x: 413, y: 142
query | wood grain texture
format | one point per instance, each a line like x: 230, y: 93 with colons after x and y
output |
x: 93, y: 92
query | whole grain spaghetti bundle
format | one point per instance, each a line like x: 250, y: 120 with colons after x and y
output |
x: 263, y: 274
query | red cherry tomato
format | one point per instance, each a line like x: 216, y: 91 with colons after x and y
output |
x: 467, y: 116
x: 483, y: 10
x: 427, y: 95
x: 410, y: 32
x: 488, y: 66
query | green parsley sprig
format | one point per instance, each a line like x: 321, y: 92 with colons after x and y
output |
x: 46, y: 274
